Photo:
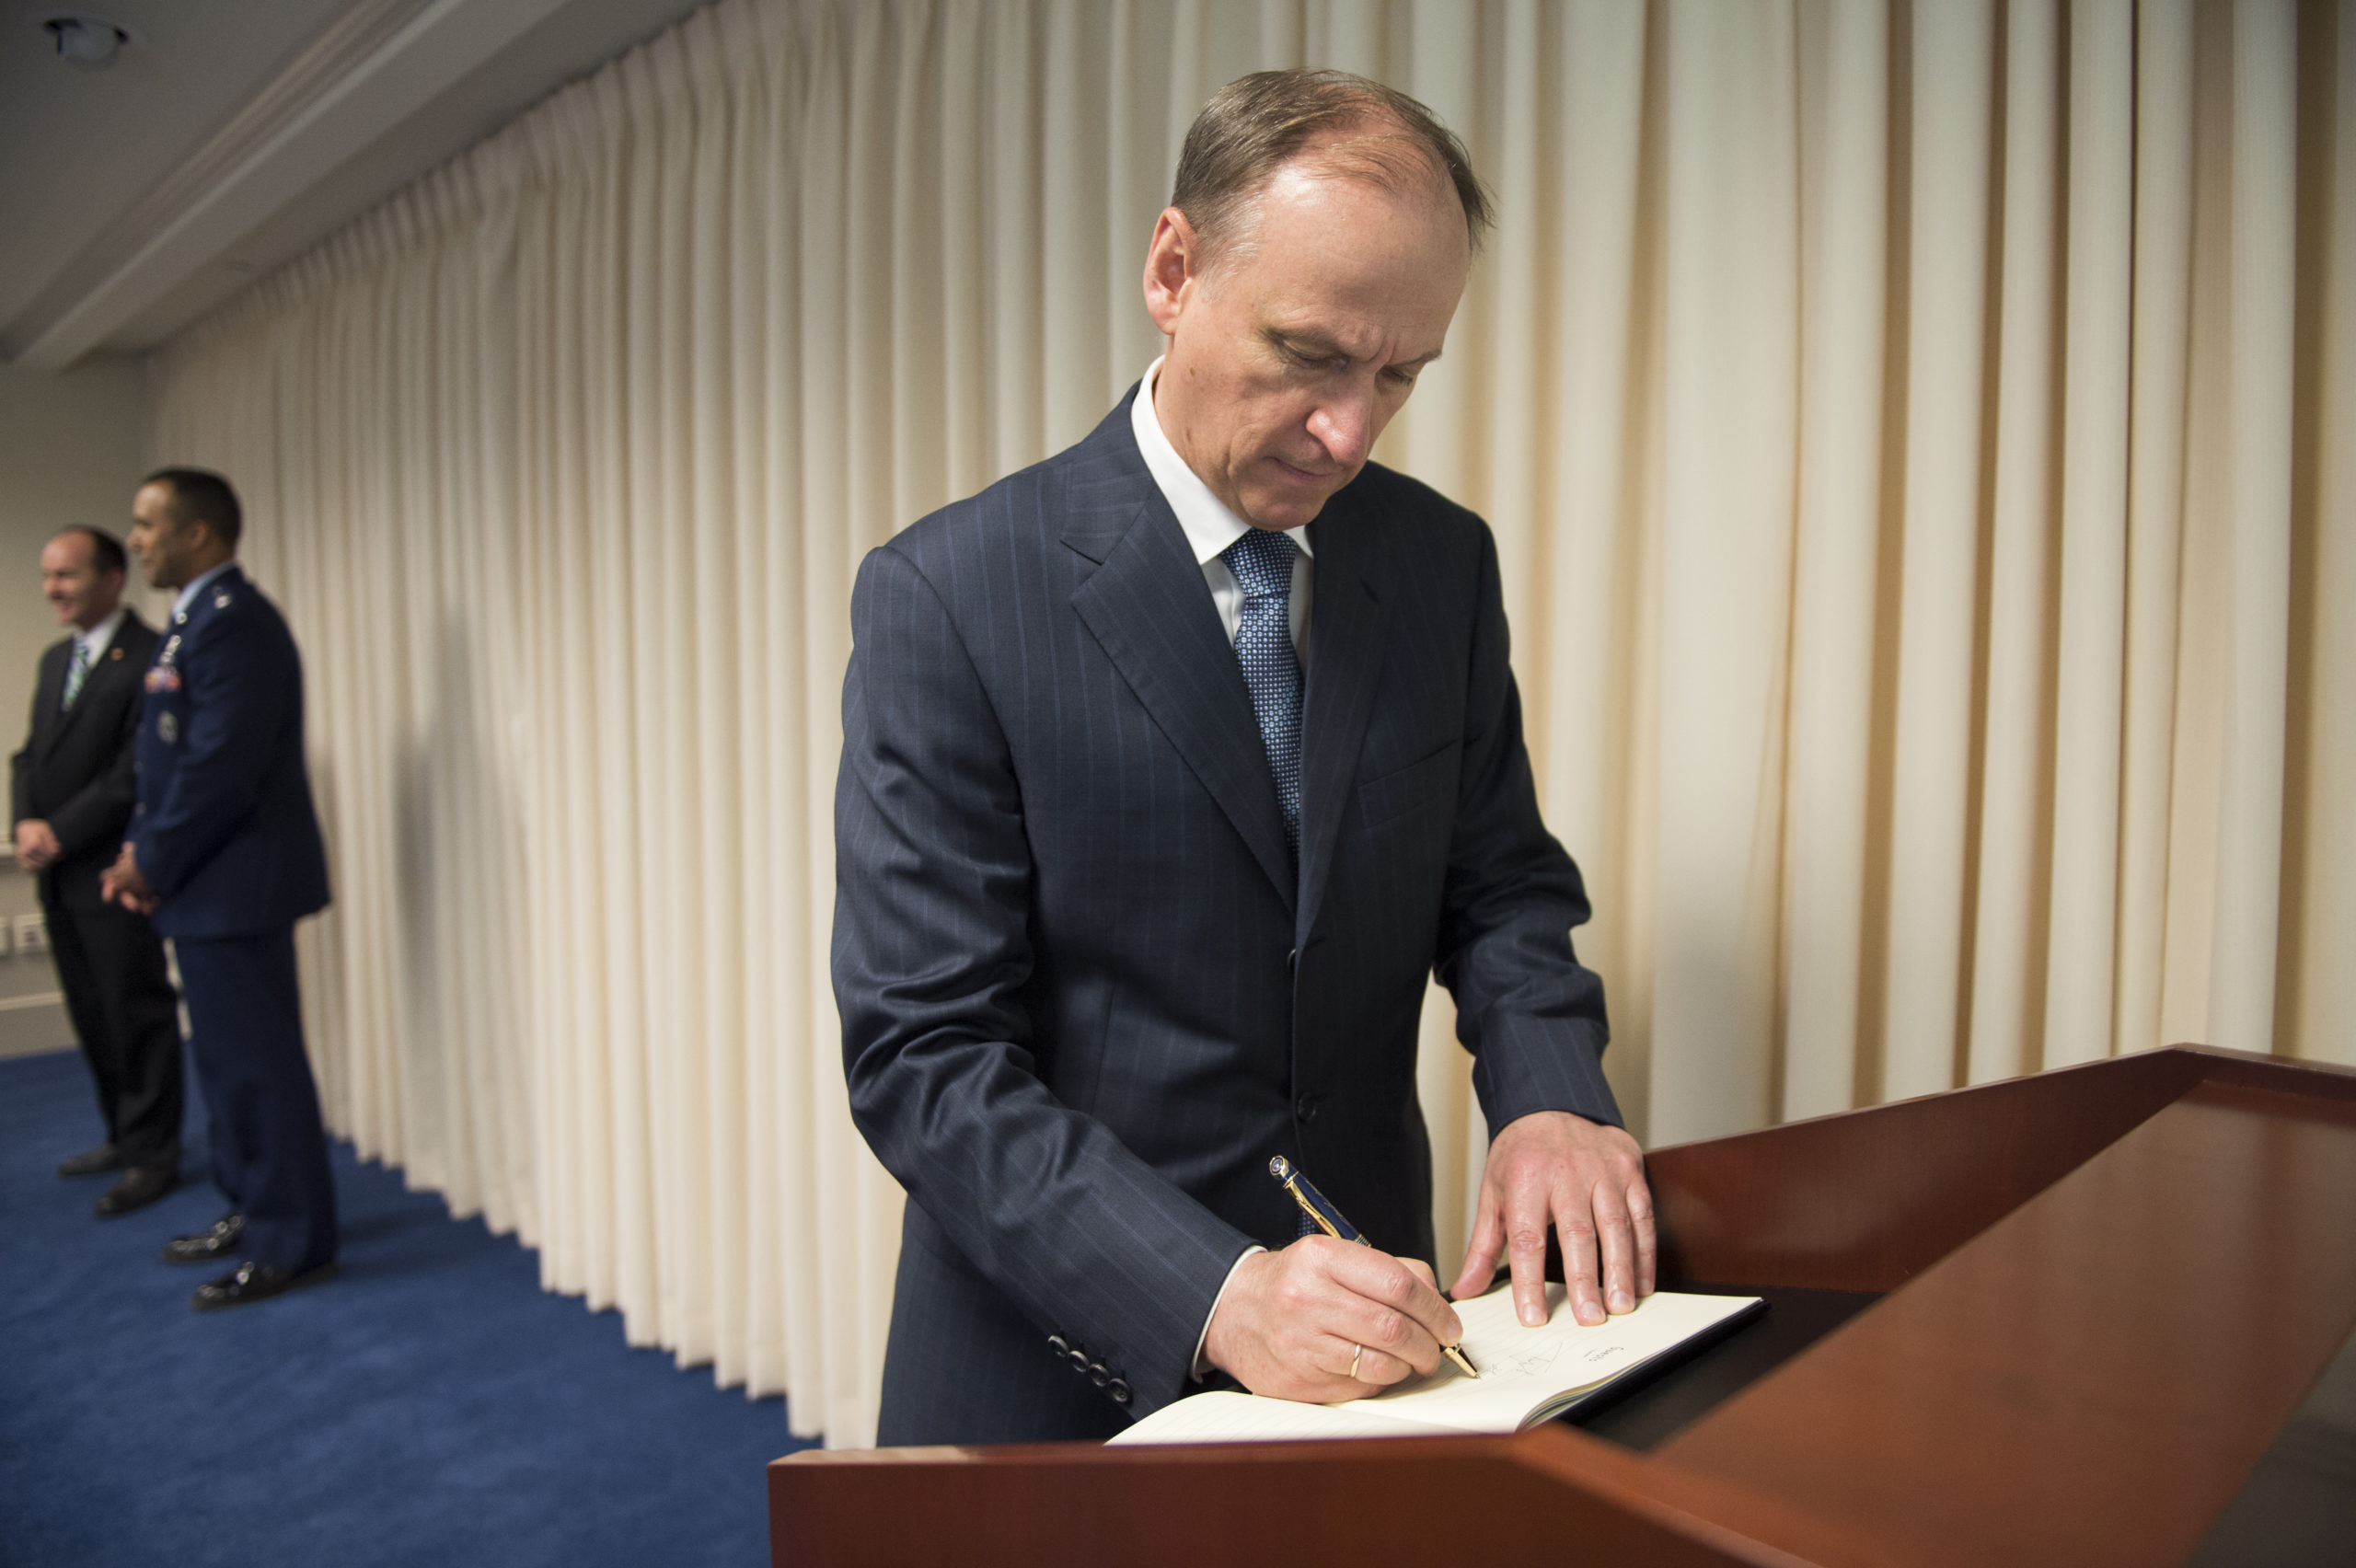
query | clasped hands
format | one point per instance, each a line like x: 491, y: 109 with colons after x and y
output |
x: 37, y: 845
x: 1325, y: 1321
x: 121, y: 884
x: 37, y: 849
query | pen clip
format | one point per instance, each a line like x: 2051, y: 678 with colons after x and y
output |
x: 1314, y: 1204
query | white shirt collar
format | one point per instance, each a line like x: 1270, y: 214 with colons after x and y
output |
x: 94, y: 642
x: 188, y: 593
x: 1210, y: 527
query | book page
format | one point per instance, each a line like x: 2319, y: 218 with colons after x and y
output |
x: 1526, y: 1371
x: 1525, y: 1374
x: 1223, y: 1417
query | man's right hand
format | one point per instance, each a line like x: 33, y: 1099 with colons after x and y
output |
x: 36, y: 846
x: 1291, y: 1321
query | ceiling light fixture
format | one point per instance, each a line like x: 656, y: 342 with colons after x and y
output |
x: 88, y: 42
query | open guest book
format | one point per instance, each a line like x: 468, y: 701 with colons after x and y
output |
x: 1526, y: 1376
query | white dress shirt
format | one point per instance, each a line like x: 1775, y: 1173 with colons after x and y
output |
x: 1211, y: 528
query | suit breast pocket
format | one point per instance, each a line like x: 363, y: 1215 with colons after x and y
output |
x: 1404, y: 793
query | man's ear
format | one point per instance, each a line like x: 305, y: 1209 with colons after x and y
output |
x: 1173, y: 261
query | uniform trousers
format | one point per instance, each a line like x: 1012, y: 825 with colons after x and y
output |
x: 269, y: 1148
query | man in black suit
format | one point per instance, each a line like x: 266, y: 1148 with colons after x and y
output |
x: 1143, y: 860
x: 72, y: 792
x: 224, y: 850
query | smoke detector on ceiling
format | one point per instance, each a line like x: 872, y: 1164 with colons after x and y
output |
x: 88, y: 42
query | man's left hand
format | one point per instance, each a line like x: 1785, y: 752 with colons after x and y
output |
x: 1587, y: 1182
x: 121, y: 884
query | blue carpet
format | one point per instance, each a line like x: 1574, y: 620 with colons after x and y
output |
x: 431, y: 1405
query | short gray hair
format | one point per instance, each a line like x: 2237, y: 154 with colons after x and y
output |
x: 1256, y: 124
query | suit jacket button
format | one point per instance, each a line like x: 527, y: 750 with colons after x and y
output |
x: 1079, y: 1359
x: 1058, y: 1345
x: 1097, y: 1374
x: 1119, y: 1391
x: 1305, y: 1108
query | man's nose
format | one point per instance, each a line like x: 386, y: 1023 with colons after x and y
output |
x: 1344, y: 426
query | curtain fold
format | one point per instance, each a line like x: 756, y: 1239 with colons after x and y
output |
x: 1916, y: 437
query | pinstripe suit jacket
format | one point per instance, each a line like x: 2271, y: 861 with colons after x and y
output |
x: 1084, y: 995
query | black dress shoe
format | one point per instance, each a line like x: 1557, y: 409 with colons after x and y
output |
x: 137, y: 1188
x: 256, y: 1282
x: 220, y: 1241
x: 91, y: 1162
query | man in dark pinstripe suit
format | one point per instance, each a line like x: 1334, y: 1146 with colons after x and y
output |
x: 1172, y: 766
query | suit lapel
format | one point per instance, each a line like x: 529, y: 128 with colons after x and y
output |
x: 1147, y: 605
x: 1349, y: 619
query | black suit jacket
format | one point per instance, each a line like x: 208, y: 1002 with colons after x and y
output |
x: 76, y: 770
x: 1083, y: 997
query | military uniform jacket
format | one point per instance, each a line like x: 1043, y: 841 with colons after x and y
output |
x: 225, y: 830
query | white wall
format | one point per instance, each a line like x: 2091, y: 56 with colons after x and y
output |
x: 72, y: 449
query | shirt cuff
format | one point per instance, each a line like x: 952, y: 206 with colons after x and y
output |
x: 1202, y: 1367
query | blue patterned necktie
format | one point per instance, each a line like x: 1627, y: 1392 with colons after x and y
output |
x: 77, y: 673
x: 1261, y: 562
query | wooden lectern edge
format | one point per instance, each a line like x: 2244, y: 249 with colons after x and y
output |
x: 1673, y: 1505
x: 1683, y: 1501
x: 2259, y: 1058
x: 1866, y: 1200
x: 2206, y: 1062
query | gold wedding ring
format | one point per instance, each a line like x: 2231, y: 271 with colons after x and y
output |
x: 1356, y: 1350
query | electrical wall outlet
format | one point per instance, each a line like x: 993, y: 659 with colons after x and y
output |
x: 32, y: 934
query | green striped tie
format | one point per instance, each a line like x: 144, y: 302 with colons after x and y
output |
x: 77, y: 672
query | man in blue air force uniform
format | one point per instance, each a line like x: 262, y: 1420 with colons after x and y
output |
x: 225, y: 853
x: 1172, y: 766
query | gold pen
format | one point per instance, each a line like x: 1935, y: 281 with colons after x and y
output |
x: 1321, y: 1209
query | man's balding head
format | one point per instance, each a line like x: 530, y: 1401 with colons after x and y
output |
x: 1337, y: 124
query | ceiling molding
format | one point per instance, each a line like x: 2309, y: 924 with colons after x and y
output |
x: 377, y: 63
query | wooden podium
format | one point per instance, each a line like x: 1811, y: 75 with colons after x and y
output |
x: 2101, y: 1293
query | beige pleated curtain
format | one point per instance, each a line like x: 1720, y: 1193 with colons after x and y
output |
x: 1918, y: 438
